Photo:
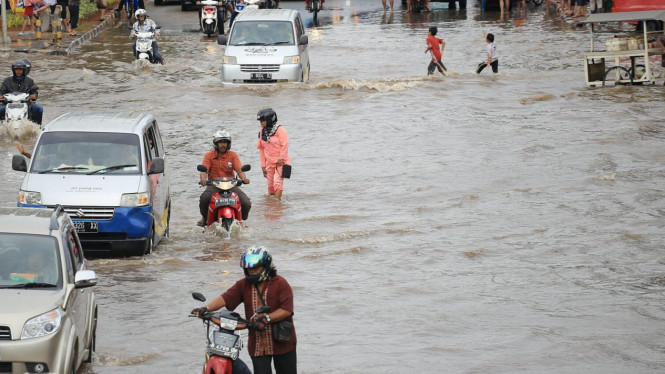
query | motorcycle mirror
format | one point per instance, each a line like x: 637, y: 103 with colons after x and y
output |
x: 202, y: 168
x: 158, y: 27
x: 221, y: 40
x: 198, y: 296
x: 245, y: 168
x: 263, y: 309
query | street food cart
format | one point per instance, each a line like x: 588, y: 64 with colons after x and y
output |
x: 626, y: 58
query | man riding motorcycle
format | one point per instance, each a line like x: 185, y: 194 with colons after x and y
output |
x: 222, y: 162
x: 143, y: 24
x: 20, y: 82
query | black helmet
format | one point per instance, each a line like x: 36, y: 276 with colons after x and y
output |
x: 268, y: 115
x: 254, y: 256
x: 20, y: 64
x: 220, y: 136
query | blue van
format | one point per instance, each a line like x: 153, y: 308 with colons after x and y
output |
x: 110, y: 174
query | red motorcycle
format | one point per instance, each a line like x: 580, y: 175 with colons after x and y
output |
x: 224, y: 343
x: 224, y: 207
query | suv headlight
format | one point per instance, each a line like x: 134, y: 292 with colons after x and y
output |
x: 229, y: 60
x: 135, y: 199
x: 291, y: 59
x: 29, y: 197
x: 45, y: 324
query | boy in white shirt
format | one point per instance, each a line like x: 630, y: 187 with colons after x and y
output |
x: 492, y: 56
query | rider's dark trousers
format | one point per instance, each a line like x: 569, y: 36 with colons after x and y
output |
x: 284, y: 364
x: 204, y: 201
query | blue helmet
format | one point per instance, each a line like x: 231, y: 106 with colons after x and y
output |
x: 255, y: 256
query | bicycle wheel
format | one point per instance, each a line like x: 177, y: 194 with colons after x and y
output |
x: 639, y: 72
x: 616, y: 74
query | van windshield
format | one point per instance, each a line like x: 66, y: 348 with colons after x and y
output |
x: 87, y: 153
x: 262, y: 33
x: 29, y: 261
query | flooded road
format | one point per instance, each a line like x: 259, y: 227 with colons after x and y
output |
x: 475, y: 223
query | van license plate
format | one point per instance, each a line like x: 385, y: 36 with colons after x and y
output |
x: 261, y: 76
x: 86, y: 226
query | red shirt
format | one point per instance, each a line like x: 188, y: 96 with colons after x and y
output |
x: 221, y: 166
x: 277, y: 294
x: 434, y: 42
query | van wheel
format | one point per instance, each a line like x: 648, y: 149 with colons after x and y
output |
x: 150, y: 242
x: 93, y: 338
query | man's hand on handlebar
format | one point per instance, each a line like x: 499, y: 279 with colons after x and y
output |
x: 260, y: 325
x: 200, y: 311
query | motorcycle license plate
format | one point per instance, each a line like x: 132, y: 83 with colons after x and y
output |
x: 14, y: 105
x: 86, y: 226
x: 225, y: 201
x: 261, y: 76
x: 225, y: 340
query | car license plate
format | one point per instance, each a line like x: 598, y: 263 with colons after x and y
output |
x: 86, y: 226
x: 261, y: 76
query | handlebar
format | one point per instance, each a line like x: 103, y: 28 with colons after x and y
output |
x: 242, y: 323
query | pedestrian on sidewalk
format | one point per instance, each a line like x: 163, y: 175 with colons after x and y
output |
x: 74, y: 7
x: 27, y: 18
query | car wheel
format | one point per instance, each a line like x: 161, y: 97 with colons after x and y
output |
x: 150, y: 242
x: 93, y: 338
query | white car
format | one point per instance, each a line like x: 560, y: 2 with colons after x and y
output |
x: 265, y: 46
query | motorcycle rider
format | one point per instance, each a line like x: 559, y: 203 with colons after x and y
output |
x: 309, y: 8
x: 143, y: 24
x: 20, y: 82
x: 262, y: 286
x: 222, y: 162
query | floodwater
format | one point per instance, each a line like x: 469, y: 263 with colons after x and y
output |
x: 474, y: 223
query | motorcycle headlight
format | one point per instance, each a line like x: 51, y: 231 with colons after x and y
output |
x: 229, y: 60
x: 135, y: 199
x: 45, y: 324
x: 291, y: 59
x: 29, y: 197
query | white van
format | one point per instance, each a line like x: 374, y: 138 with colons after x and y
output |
x: 265, y: 46
x: 109, y: 173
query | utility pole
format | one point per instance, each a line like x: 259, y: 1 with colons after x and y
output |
x: 5, y: 35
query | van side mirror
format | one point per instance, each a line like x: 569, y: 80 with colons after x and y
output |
x: 157, y: 166
x: 221, y: 40
x: 303, y: 40
x: 85, y: 278
x: 202, y: 168
x: 19, y: 163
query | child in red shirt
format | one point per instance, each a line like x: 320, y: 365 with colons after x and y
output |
x: 433, y: 47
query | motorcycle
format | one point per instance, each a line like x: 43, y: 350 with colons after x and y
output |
x: 224, y: 206
x: 315, y: 7
x: 208, y: 19
x: 224, y: 343
x: 240, y: 5
x: 17, y: 113
x: 144, y: 46
x: 130, y: 7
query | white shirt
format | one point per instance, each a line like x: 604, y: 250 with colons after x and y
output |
x: 491, y: 51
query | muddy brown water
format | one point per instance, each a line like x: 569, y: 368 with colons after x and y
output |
x: 475, y: 223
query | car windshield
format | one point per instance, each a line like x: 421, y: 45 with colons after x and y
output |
x: 262, y: 33
x: 29, y: 261
x: 87, y: 153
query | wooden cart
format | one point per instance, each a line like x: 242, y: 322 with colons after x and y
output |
x: 635, y: 65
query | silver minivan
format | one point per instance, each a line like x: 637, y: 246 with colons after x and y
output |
x: 110, y: 174
x: 265, y: 46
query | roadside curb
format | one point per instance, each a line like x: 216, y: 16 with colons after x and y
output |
x: 109, y: 22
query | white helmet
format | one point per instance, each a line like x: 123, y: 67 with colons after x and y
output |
x: 141, y: 12
x: 221, y: 135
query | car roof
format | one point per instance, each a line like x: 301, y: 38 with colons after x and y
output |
x: 26, y: 220
x: 132, y: 123
x: 267, y: 15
